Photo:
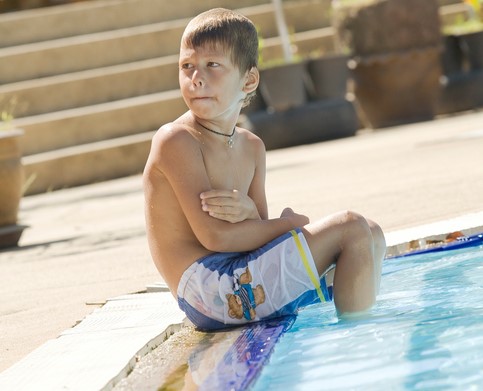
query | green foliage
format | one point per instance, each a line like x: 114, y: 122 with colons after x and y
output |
x: 462, y: 26
x: 351, y: 3
x: 6, y: 113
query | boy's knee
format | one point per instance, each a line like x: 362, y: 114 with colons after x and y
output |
x: 355, y: 226
x: 377, y: 233
x: 352, y: 218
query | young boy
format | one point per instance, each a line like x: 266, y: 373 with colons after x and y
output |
x: 206, y: 212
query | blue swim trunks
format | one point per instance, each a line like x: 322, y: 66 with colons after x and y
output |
x: 277, y: 279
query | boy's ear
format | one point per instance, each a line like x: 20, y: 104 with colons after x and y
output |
x: 252, y: 80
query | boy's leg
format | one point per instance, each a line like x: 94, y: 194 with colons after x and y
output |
x: 346, y: 239
x: 379, y: 250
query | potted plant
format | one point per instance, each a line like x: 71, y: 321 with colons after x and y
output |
x: 328, y: 76
x: 395, y: 64
x: 283, y: 79
x: 462, y: 61
x: 11, y: 179
x: 300, y: 100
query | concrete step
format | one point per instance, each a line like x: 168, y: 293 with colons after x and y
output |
x: 99, y: 16
x: 84, y: 125
x: 122, y: 81
x: 89, y: 163
x: 72, y: 133
x: 91, y: 87
x: 90, y: 51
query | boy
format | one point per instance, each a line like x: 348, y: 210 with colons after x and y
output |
x: 206, y: 212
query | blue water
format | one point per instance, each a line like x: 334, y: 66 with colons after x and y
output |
x: 425, y: 333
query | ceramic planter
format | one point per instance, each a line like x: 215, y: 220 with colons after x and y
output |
x: 395, y: 62
x: 11, y: 181
x: 328, y: 76
x: 284, y: 86
x: 368, y: 28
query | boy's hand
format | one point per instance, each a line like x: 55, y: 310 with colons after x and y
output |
x: 297, y: 219
x: 229, y: 205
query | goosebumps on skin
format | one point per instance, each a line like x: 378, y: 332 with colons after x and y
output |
x: 205, y: 201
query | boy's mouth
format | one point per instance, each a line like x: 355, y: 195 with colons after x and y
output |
x: 201, y: 98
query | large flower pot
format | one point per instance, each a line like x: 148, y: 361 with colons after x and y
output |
x: 11, y: 181
x: 284, y: 86
x: 328, y: 76
x: 398, y: 88
x: 374, y: 27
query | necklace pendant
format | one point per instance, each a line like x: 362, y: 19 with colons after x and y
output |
x: 230, y: 142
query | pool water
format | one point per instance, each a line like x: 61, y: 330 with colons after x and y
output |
x: 425, y: 333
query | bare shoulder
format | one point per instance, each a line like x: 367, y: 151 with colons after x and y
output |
x: 169, y: 142
x: 173, y: 135
x: 252, y: 142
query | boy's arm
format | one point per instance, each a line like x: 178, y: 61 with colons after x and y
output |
x: 178, y: 156
x: 229, y: 205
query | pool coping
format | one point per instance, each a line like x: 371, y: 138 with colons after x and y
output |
x: 132, y: 325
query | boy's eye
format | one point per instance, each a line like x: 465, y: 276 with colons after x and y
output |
x: 186, y: 66
x: 213, y: 64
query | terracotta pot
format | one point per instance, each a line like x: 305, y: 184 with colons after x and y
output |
x: 11, y: 176
x: 283, y: 87
x: 398, y: 88
x: 367, y: 28
x: 329, y: 75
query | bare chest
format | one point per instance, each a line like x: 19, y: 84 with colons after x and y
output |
x: 229, y: 170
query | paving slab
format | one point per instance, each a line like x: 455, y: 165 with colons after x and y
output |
x: 100, y: 350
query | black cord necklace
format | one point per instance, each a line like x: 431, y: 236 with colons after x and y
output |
x: 230, y: 141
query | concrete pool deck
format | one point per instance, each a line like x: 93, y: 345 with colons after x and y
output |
x: 87, y: 244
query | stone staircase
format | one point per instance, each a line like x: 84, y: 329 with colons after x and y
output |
x: 92, y: 90
x: 94, y: 80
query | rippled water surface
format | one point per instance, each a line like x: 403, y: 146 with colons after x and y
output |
x: 425, y: 333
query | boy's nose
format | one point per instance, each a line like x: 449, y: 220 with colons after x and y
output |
x: 197, y: 78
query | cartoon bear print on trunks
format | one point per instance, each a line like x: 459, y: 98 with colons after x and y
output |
x: 245, y: 299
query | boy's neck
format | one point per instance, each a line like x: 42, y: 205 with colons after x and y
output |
x: 230, y: 141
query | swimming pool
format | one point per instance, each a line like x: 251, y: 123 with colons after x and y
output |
x: 425, y: 333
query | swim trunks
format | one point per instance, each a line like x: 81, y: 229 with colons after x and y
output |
x: 277, y: 279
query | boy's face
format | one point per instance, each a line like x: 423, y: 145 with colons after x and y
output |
x: 210, y: 83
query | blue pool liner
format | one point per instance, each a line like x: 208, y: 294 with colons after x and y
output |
x: 461, y: 242
x: 243, y: 362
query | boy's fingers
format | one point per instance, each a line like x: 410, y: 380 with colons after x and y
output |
x: 218, y: 194
x: 218, y: 209
x: 214, y: 202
